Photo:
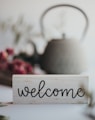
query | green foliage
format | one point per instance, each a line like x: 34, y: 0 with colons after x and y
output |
x: 2, y: 117
x: 19, y: 28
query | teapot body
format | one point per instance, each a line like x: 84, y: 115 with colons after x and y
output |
x: 63, y: 57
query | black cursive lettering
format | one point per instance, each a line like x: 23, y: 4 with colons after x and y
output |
x: 41, y: 92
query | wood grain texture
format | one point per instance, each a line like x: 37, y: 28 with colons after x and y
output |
x: 5, y: 79
x: 32, y: 89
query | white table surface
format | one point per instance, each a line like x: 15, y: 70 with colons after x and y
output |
x: 42, y: 111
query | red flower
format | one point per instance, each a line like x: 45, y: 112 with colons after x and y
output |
x: 3, y: 56
x: 19, y: 70
x: 28, y: 68
x: 21, y: 67
x: 16, y: 66
x: 10, y: 51
x: 18, y: 62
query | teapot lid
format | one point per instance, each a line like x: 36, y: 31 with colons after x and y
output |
x: 62, y: 38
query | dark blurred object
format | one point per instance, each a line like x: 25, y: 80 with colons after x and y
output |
x: 2, y: 117
x: 5, y: 79
x: 32, y: 59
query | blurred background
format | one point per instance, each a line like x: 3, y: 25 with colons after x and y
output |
x: 20, y: 23
x: 31, y: 10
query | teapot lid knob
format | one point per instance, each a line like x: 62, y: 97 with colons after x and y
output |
x: 63, y: 35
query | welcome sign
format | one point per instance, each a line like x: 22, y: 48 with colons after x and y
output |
x: 31, y: 89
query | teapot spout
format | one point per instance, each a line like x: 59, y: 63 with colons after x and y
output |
x: 35, y: 59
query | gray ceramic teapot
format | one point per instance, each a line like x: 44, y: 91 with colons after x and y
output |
x: 63, y: 56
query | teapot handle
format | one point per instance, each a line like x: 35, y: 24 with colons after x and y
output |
x: 64, y: 5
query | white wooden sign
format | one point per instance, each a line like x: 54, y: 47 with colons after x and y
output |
x: 31, y: 89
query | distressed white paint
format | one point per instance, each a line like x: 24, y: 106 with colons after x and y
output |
x: 51, y: 81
